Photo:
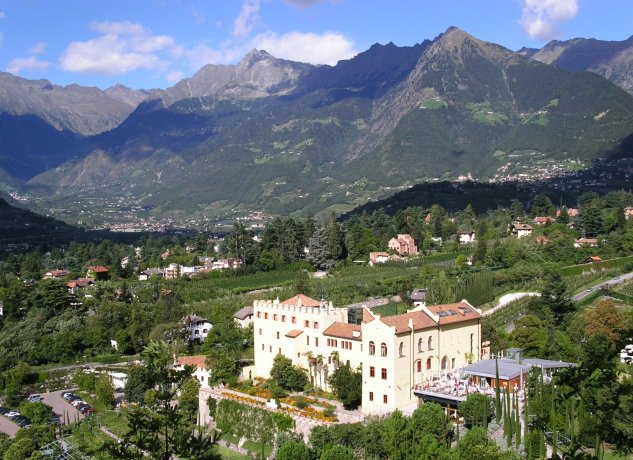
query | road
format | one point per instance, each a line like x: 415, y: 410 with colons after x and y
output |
x: 61, y: 406
x: 609, y: 283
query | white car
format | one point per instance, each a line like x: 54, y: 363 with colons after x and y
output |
x: 13, y: 413
x: 626, y: 354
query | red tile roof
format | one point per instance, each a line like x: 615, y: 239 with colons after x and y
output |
x: 199, y: 361
x: 98, y: 269
x: 304, y: 299
x: 454, y: 312
x: 294, y: 333
x: 343, y: 331
x: 401, y: 322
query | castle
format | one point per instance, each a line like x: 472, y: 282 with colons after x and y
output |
x: 395, y: 353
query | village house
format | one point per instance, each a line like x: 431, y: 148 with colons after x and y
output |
x: 591, y: 242
x: 54, y: 274
x: 396, y: 353
x: 97, y: 272
x: 244, y: 317
x: 378, y: 258
x: 403, y: 245
x: 520, y: 230
x: 418, y: 297
x: 201, y: 371
x: 628, y: 213
x: 197, y: 328
x: 75, y: 285
x: 544, y: 220
x: 467, y: 236
x: 151, y: 272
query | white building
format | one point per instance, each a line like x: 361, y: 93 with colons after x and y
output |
x: 198, y: 328
x: 396, y: 352
x: 467, y: 237
x: 201, y: 372
x: 244, y: 317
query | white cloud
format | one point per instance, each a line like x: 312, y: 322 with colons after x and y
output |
x: 326, y: 48
x: 249, y: 15
x: 542, y: 17
x: 122, y: 47
x: 2, y: 15
x: 17, y: 65
x: 39, y: 48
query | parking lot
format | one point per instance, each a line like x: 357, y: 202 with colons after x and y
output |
x: 8, y: 427
x: 61, y: 406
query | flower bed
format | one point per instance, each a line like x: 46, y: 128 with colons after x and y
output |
x: 243, y: 399
x: 309, y: 412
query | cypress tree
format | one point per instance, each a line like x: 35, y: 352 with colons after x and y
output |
x: 497, y: 393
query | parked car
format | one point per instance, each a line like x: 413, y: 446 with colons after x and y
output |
x: 4, y: 410
x: 77, y: 402
x: 67, y: 396
x: 12, y: 414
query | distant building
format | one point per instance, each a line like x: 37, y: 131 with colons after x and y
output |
x: 403, y: 245
x: 467, y: 236
x: 53, y: 274
x: 628, y: 213
x: 151, y: 272
x: 544, y: 220
x: 197, y: 327
x: 378, y: 258
x: 97, y: 272
x: 520, y: 230
x: 244, y: 317
x: 591, y: 242
x: 75, y: 285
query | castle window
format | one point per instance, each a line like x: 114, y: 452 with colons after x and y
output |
x: 306, y: 323
x: 275, y: 316
x: 372, y: 348
x: 260, y: 331
x: 383, y: 373
x: 429, y: 364
x: 277, y: 334
x: 372, y: 371
x: 371, y: 395
x: 259, y: 314
x: 430, y: 344
x: 383, y: 349
x: 384, y: 399
x: 316, y: 341
x: 419, y: 366
x: 315, y: 325
x: 283, y: 318
x: 265, y: 315
x: 294, y: 320
x: 420, y: 345
x: 401, y: 349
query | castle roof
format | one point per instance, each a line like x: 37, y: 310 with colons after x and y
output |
x: 301, y: 300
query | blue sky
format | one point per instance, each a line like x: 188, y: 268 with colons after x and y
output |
x: 155, y: 43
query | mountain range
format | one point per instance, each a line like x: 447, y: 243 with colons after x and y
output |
x: 281, y: 136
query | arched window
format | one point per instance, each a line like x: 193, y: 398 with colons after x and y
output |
x: 444, y: 363
x: 383, y: 349
x: 419, y: 366
x: 372, y: 348
x: 420, y: 346
x: 430, y: 347
x: 401, y: 349
x: 429, y: 364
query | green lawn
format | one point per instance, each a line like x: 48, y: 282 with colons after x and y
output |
x: 228, y: 454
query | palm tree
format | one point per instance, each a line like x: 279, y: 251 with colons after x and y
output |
x: 336, y: 359
x: 319, y: 368
x: 311, y: 364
